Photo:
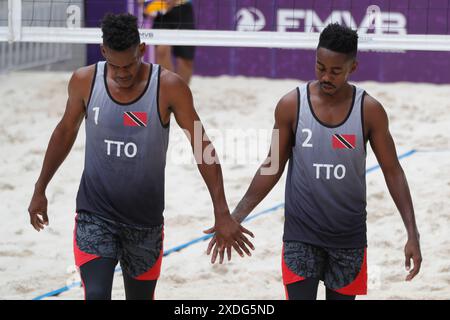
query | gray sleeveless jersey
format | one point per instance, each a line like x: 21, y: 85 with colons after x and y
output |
x: 125, y: 158
x: 326, y: 185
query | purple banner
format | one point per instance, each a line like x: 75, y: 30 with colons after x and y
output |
x: 395, y: 17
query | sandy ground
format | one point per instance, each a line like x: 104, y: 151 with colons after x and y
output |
x: 32, y: 263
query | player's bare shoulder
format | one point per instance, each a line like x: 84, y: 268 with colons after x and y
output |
x: 288, y: 108
x: 375, y: 117
x: 80, y: 83
x: 172, y: 89
x: 371, y: 104
x: 170, y: 80
x: 374, y: 112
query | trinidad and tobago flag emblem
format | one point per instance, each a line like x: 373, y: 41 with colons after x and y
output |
x: 343, y: 141
x: 135, y: 119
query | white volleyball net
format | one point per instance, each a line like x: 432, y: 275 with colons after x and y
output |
x: 382, y: 25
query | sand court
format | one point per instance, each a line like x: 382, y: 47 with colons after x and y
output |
x: 34, y: 263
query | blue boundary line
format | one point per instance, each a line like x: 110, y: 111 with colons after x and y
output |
x: 400, y: 157
x: 205, y: 237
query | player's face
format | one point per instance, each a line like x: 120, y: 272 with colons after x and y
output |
x: 123, y: 66
x: 333, y: 69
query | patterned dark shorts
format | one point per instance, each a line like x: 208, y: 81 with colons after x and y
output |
x: 342, y: 270
x: 138, y: 249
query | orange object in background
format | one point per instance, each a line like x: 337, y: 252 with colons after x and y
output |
x: 152, y: 8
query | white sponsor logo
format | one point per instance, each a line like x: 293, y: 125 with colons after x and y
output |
x: 250, y: 19
x: 306, y: 20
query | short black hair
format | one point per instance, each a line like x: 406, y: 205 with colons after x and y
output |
x: 339, y: 39
x: 120, y: 31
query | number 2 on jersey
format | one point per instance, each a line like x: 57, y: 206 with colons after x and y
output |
x: 306, y: 143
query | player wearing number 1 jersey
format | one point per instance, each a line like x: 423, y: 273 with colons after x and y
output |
x: 126, y: 105
x: 322, y: 128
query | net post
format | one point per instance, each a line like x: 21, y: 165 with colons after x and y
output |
x: 14, y: 20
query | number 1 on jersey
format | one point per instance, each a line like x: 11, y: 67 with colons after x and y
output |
x: 96, y: 110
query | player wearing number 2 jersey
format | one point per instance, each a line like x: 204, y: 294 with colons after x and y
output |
x: 322, y: 128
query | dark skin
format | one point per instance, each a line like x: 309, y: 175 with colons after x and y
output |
x: 126, y: 79
x: 331, y: 96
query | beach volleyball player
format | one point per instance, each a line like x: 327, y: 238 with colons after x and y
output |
x: 126, y: 105
x: 323, y: 128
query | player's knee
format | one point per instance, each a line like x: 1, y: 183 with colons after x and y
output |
x: 185, y: 63
x: 163, y: 52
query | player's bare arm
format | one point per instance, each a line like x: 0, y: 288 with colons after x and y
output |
x: 61, y: 142
x: 382, y: 143
x: 176, y: 97
x: 265, y: 178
